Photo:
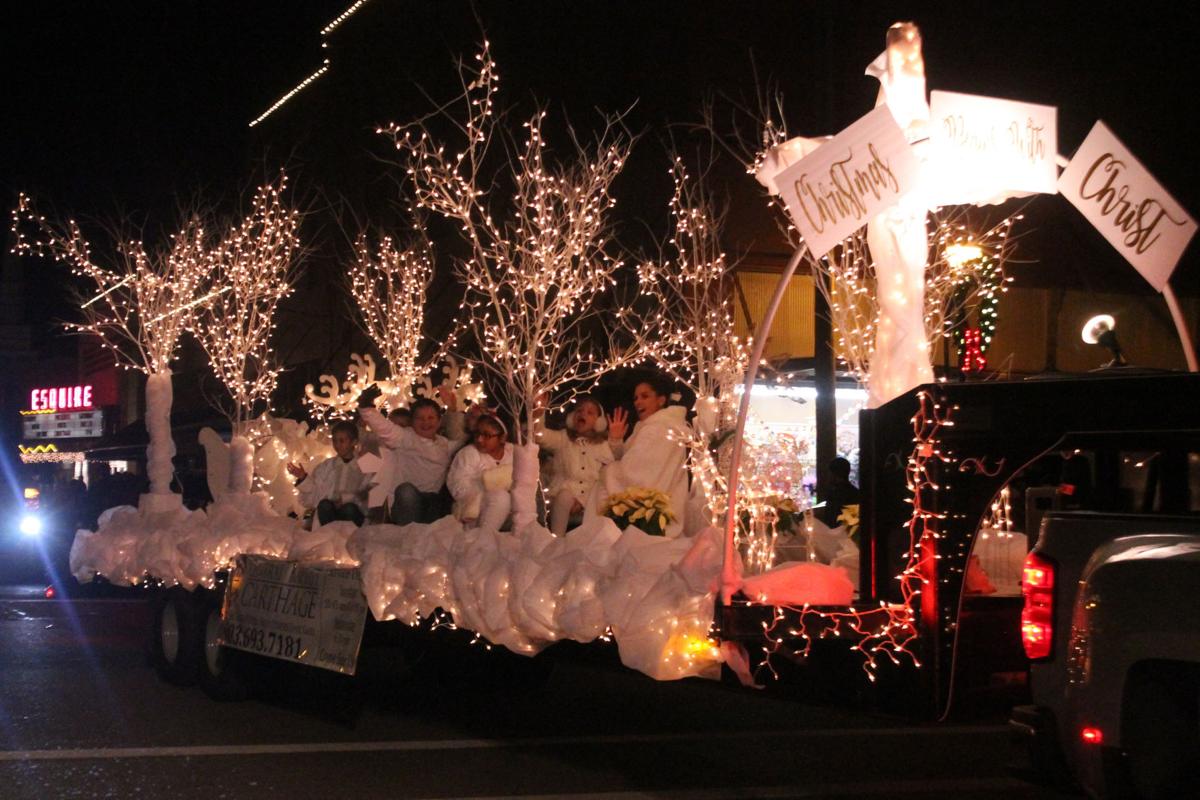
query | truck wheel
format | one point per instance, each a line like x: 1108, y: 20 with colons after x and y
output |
x: 220, y: 668
x: 1161, y: 732
x: 174, y: 637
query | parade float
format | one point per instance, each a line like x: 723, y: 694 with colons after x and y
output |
x: 870, y: 211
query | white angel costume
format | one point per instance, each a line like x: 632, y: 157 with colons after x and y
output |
x: 481, y: 487
x: 654, y: 457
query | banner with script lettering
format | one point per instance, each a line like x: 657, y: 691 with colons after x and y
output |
x: 846, y: 181
x: 985, y: 150
x: 1127, y: 205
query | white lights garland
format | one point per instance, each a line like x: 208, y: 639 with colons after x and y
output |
x: 342, y: 17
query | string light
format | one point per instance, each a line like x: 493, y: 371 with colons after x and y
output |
x: 290, y: 94
x: 345, y: 15
x: 328, y: 29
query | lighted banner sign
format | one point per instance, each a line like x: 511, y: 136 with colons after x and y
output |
x: 1127, y: 205
x: 304, y: 613
x: 841, y: 185
x: 984, y: 149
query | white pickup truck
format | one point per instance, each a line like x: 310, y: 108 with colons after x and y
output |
x: 1111, y: 620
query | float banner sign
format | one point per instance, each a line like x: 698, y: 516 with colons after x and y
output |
x: 310, y: 614
x: 1127, y: 205
x: 985, y: 149
x: 841, y: 185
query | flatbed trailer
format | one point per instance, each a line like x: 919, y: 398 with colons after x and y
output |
x: 933, y: 462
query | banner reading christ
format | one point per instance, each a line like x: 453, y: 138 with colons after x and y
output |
x: 848, y: 180
x: 1127, y: 205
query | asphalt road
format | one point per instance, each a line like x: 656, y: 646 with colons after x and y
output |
x: 83, y: 716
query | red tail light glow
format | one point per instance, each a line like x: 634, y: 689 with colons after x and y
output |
x: 1091, y: 735
x: 1037, y: 616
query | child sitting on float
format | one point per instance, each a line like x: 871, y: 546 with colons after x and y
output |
x: 337, y: 488
x: 655, y: 456
x: 480, y: 479
x: 580, y: 453
x: 419, y: 455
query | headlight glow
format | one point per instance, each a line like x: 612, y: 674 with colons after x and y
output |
x: 31, y: 525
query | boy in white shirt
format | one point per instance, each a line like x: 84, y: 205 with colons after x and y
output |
x: 420, y: 456
x: 337, y: 488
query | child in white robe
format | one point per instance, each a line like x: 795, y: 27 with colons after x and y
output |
x: 480, y: 477
x: 337, y: 488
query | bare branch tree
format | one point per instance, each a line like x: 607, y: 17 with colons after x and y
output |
x: 389, y: 284
x: 251, y: 271
x: 139, y: 311
x: 538, y: 275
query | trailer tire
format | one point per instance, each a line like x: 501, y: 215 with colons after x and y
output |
x: 221, y: 669
x: 174, y: 636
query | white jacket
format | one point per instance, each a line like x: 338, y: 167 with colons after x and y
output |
x: 655, y: 457
x: 409, y: 458
x: 334, y: 479
x: 577, y: 462
x: 474, y: 474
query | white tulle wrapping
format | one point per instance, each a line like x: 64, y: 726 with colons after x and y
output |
x: 161, y: 449
x: 525, y: 474
x: 241, y: 465
x: 523, y: 590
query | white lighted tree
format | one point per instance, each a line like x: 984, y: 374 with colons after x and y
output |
x: 538, y: 272
x: 139, y: 310
x: 389, y: 283
x: 252, y: 270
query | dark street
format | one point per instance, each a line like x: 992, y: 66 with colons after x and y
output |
x: 83, y: 715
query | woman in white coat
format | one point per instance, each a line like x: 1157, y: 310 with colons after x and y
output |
x: 655, y: 456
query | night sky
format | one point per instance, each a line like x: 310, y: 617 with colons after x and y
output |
x: 120, y: 109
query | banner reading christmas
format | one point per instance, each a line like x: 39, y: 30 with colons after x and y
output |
x: 846, y: 181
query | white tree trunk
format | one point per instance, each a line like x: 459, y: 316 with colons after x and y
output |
x: 241, y: 465
x: 526, y: 472
x: 900, y: 247
x: 161, y: 448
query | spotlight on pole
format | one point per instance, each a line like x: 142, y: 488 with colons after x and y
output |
x: 1101, y: 330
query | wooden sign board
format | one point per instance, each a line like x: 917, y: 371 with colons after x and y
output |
x: 840, y: 186
x: 1127, y: 205
x: 984, y: 149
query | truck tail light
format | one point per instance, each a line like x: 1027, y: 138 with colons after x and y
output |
x: 1037, y: 616
x: 1091, y: 735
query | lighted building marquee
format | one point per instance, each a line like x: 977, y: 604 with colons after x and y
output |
x: 61, y: 398
x: 62, y: 412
